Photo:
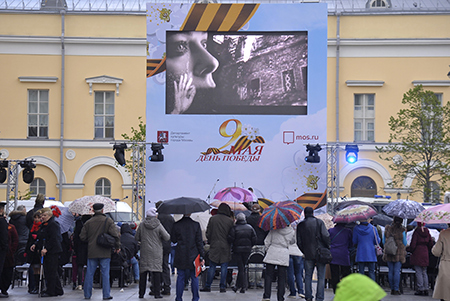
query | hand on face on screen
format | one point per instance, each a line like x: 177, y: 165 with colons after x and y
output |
x: 184, y: 94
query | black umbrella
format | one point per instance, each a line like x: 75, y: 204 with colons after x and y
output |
x: 345, y: 204
x: 382, y: 220
x: 183, y: 205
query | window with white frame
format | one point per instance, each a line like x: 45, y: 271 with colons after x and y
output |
x: 431, y: 126
x: 364, y: 117
x: 103, y: 187
x: 38, y: 113
x: 104, y: 115
x: 37, y: 186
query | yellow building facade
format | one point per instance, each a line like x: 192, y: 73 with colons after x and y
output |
x: 71, y: 84
x: 72, y: 81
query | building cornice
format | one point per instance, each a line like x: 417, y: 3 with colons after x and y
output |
x: 432, y: 83
x: 50, y: 143
x: 38, y: 79
x: 364, y: 83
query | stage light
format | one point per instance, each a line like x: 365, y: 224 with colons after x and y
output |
x: 119, y: 153
x: 157, y: 155
x: 3, y: 171
x: 351, y: 155
x: 28, y: 172
x: 313, y: 153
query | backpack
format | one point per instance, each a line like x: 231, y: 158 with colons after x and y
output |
x: 390, y: 247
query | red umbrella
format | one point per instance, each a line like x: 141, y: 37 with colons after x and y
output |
x: 280, y: 215
x: 354, y: 213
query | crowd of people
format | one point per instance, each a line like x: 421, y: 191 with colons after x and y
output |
x: 287, y: 255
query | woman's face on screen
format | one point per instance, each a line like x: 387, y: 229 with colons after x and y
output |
x: 187, y: 54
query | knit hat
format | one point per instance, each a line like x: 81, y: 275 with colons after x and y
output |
x: 256, y: 208
x: 151, y: 212
x: 358, y: 287
x: 240, y: 217
x: 309, y: 211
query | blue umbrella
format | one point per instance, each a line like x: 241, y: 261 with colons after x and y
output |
x: 403, y: 208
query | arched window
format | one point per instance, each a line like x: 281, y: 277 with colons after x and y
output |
x: 364, y: 187
x: 378, y: 3
x: 103, y: 187
x: 37, y: 186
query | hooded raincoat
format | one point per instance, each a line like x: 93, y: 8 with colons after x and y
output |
x: 365, y: 237
x: 151, y: 234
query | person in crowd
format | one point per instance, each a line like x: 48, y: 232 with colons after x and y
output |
x: 365, y: 237
x: 8, y: 267
x: 49, y: 242
x: 4, y: 242
x: 442, y: 250
x: 295, y: 268
x: 242, y: 236
x: 255, y: 278
x: 341, y: 242
x: 187, y: 236
x: 18, y: 218
x: 129, y: 244
x: 189, y: 69
x: 80, y: 249
x: 33, y: 256
x: 310, y: 233
x: 358, y: 287
x: 167, y: 221
x: 150, y: 234
x: 217, y: 231
x: 38, y: 204
x: 134, y: 260
x: 395, y: 262
x: 277, y: 245
x: 98, y: 255
x: 420, y: 246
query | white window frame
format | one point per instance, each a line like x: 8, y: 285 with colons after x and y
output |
x: 40, y: 114
x: 102, y: 184
x: 365, y: 120
x: 37, y: 186
x: 103, y: 116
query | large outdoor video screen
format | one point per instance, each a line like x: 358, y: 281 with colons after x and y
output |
x: 239, y: 73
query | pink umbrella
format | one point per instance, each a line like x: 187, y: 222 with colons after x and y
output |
x: 439, y: 214
x: 235, y: 194
x: 354, y: 213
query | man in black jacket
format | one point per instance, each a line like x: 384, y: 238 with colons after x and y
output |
x: 310, y: 233
x: 187, y: 234
x: 4, y: 244
x: 255, y: 278
x: 242, y: 237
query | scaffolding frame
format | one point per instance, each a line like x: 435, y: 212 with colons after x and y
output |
x: 332, y: 177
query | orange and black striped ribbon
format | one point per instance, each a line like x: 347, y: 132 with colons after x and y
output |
x: 209, y: 17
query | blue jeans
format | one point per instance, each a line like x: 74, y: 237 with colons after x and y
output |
x: 295, y: 275
x: 181, y: 280
x: 92, y: 264
x: 135, y: 268
x: 370, y: 267
x: 394, y: 274
x: 212, y: 271
x: 309, y: 269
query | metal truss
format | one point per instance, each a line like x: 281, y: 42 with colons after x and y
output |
x: 12, y: 186
x: 138, y: 180
x: 332, y: 176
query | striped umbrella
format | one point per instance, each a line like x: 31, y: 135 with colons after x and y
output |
x: 280, y: 215
x: 264, y: 203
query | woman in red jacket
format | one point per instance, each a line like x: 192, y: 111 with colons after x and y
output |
x: 421, y: 244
